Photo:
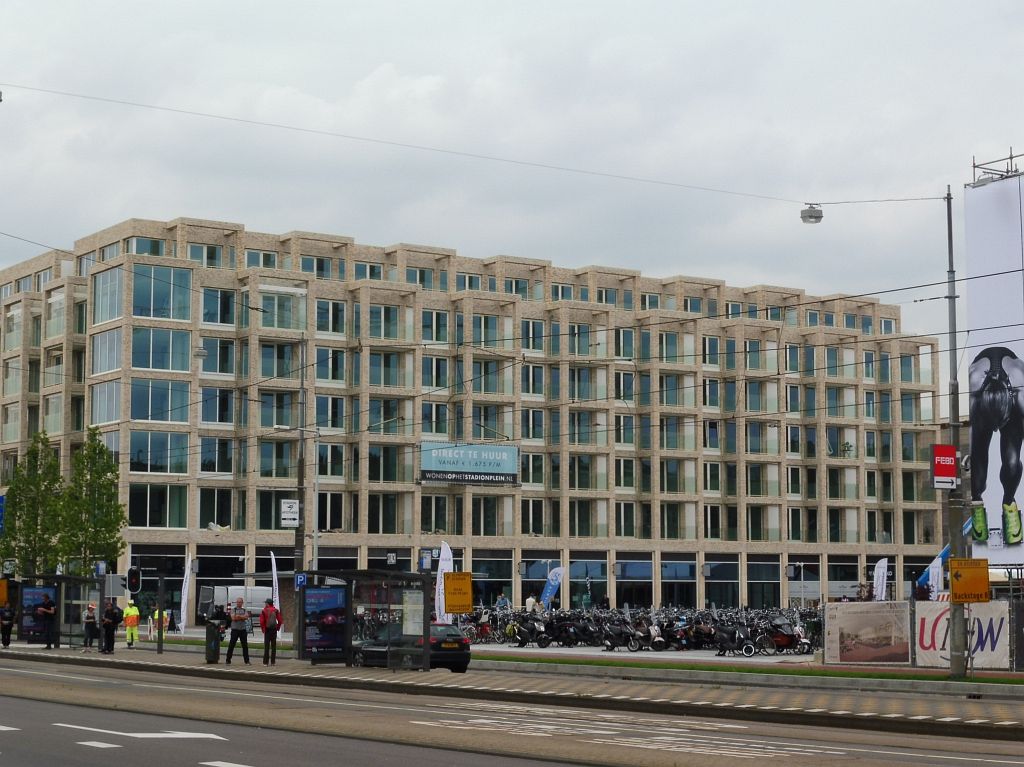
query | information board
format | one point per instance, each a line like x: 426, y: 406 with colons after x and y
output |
x: 458, y: 593
x: 968, y: 581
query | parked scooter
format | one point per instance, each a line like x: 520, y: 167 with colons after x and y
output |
x: 531, y: 629
x: 648, y: 637
x: 620, y: 634
x: 733, y: 640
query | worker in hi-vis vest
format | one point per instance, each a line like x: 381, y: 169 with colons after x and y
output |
x: 131, y: 623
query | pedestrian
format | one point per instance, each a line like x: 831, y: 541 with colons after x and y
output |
x: 131, y: 624
x: 605, y: 603
x: 6, y: 624
x: 270, y: 623
x: 531, y: 603
x: 166, y: 621
x: 46, y: 611
x: 111, y: 618
x: 239, y: 617
x: 503, y: 602
x: 90, y: 627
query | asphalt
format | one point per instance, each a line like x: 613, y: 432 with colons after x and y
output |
x: 780, y: 691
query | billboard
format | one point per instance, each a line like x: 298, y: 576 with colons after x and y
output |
x: 867, y: 632
x: 326, y: 615
x: 988, y: 631
x: 995, y: 373
x: 463, y: 464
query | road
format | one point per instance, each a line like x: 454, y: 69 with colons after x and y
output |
x: 299, y: 714
x: 35, y: 733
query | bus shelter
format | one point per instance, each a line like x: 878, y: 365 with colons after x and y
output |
x: 365, y: 617
x: 71, y: 594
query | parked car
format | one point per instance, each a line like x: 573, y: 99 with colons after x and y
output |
x: 449, y: 648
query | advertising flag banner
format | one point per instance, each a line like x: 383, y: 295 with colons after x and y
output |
x: 881, y: 580
x: 988, y: 632
x: 275, y: 590
x: 935, y: 570
x: 551, y: 588
x: 186, y: 585
x: 995, y: 372
x: 445, y: 564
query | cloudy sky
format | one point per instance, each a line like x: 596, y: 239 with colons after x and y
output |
x: 803, y: 101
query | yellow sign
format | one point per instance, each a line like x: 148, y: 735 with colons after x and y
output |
x: 968, y: 581
x: 458, y: 592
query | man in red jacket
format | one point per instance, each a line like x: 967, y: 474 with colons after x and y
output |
x: 270, y: 623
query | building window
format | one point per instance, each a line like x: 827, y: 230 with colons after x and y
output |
x: 215, y: 455
x: 268, y: 507
x: 157, y: 505
x: 276, y: 458
x: 330, y: 460
x: 106, y: 402
x: 330, y: 316
x: 162, y: 292
x: 365, y: 271
x: 331, y: 516
x: 159, y: 400
x: 219, y: 306
x: 435, y: 418
x: 106, y: 351
x: 144, y: 246
x: 283, y: 310
x: 215, y: 506
x: 265, y: 259
x: 159, y: 452
x: 330, y: 412
x: 384, y: 321
x: 161, y: 349
x: 435, y: 372
x: 382, y: 514
x: 330, y: 364
x: 211, y: 256
x: 217, y: 405
x: 531, y: 468
x: 220, y: 355
x: 107, y: 295
x: 532, y: 335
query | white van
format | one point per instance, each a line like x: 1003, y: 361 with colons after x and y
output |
x: 255, y: 597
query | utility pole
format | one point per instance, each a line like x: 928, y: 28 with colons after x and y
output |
x: 299, y: 633
x: 954, y: 505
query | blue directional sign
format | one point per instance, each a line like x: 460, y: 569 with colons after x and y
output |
x: 300, y: 580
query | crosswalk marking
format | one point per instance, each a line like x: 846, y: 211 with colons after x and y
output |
x: 97, y: 744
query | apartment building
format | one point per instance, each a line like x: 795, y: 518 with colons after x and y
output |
x: 680, y: 441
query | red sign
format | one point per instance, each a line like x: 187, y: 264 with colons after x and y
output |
x: 944, y: 467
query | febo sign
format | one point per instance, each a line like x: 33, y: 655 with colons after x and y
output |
x: 944, y: 467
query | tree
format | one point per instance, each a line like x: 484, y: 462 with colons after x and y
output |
x: 91, y: 518
x: 32, y: 524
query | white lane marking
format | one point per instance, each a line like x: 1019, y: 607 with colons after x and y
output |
x: 9, y: 729
x: 97, y: 744
x: 167, y: 734
x: 44, y: 673
x: 221, y: 764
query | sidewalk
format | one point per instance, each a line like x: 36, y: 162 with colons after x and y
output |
x: 930, y: 707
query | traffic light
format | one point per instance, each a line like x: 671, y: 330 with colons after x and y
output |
x: 134, y: 584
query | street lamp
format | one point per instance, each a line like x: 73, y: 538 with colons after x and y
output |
x: 812, y: 214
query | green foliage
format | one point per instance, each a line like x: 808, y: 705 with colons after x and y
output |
x: 50, y: 523
x: 91, y: 518
x: 33, y: 510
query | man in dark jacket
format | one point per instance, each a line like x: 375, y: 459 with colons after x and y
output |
x: 111, y: 617
x: 6, y: 624
x: 46, y: 612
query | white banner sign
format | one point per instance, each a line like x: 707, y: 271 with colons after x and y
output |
x: 988, y: 626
